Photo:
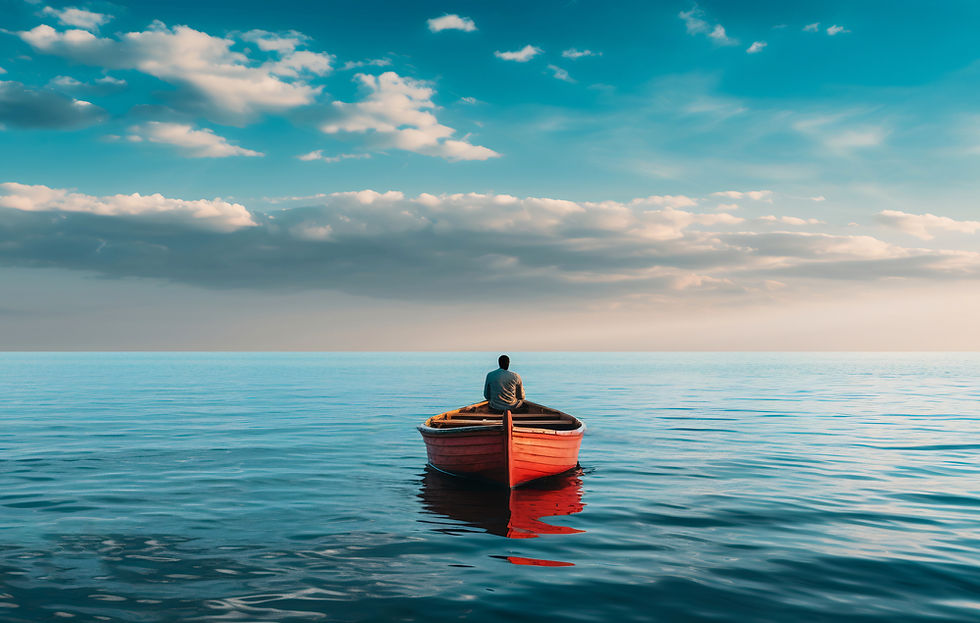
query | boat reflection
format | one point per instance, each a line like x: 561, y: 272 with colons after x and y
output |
x: 512, y: 513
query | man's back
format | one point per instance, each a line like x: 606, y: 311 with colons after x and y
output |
x: 503, y: 389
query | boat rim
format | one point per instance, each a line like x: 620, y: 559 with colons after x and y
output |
x: 425, y: 428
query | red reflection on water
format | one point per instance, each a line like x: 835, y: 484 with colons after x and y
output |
x: 512, y: 513
x: 535, y: 562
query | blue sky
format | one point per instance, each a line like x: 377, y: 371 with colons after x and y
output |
x: 667, y: 156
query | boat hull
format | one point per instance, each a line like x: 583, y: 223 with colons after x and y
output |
x: 508, y: 453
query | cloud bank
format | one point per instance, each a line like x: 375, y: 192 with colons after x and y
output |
x: 215, y: 214
x: 389, y: 245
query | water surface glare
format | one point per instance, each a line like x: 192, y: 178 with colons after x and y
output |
x: 157, y: 487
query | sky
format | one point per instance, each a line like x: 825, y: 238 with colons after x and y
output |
x: 566, y: 175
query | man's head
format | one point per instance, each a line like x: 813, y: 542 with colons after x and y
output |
x: 504, y: 361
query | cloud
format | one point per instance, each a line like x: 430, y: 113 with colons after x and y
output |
x: 696, y: 25
x: 193, y: 143
x: 855, y: 139
x: 2, y: 71
x: 224, y: 84
x: 397, y: 114
x: 835, y: 29
x: 79, y: 18
x: 318, y: 155
x: 818, y: 198
x: 451, y: 22
x: 374, y: 62
x: 923, y: 225
x: 718, y: 35
x: 814, y: 27
x: 428, y: 247
x: 282, y: 43
x: 835, y: 133
x: 693, y: 20
x: 214, y: 215
x: 756, y: 47
x: 574, y: 54
x: 21, y: 107
x: 101, y: 86
x: 64, y: 81
x: 791, y: 220
x: 520, y: 56
x: 755, y: 195
x: 560, y: 73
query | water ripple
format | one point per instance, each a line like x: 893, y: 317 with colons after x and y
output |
x: 159, y: 487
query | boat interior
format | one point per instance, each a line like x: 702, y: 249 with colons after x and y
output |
x: 536, y: 416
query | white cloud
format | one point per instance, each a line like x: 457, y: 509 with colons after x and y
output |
x: 194, y: 143
x: 818, y: 198
x: 560, y: 73
x: 835, y: 29
x: 283, y: 43
x: 68, y: 83
x: 227, y: 83
x: 719, y: 36
x: 365, y: 213
x: 855, y: 139
x: 791, y: 220
x: 696, y: 25
x: 78, y: 17
x: 214, y: 214
x: 835, y: 133
x: 814, y: 27
x: 726, y: 207
x: 755, y: 195
x: 111, y: 81
x: 2, y: 71
x: 694, y: 22
x: 521, y: 56
x: 923, y: 225
x: 573, y: 54
x: 397, y: 111
x: 374, y: 62
x: 756, y: 47
x: 451, y: 22
x: 318, y: 155
x: 64, y: 82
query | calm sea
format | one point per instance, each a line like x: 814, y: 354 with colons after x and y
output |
x: 152, y: 487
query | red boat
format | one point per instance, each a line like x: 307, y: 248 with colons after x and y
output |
x: 511, y: 449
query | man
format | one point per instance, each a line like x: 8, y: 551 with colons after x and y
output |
x: 504, y: 389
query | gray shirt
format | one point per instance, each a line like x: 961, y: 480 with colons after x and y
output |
x: 504, y: 389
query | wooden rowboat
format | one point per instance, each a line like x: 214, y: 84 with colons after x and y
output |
x: 508, y: 449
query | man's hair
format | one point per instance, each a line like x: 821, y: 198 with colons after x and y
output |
x: 504, y: 361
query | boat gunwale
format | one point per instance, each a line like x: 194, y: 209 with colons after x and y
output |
x: 424, y: 428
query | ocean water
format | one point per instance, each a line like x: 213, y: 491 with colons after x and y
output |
x: 152, y: 487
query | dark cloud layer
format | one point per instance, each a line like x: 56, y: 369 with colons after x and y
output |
x: 21, y: 107
x: 450, y: 247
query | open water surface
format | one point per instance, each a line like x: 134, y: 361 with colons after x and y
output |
x: 152, y: 487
